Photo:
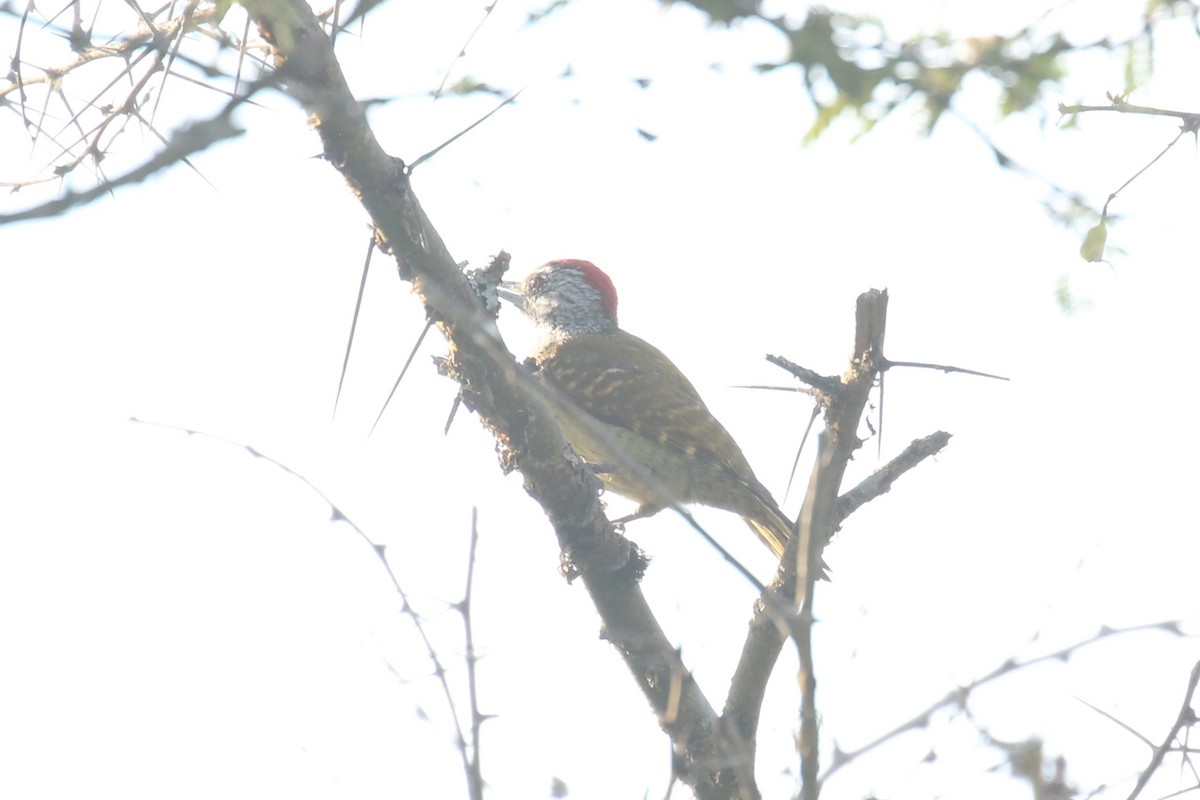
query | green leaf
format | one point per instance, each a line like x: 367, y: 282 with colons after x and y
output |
x: 826, y: 114
x: 1092, y: 249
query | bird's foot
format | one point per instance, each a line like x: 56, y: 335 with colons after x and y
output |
x: 643, y: 511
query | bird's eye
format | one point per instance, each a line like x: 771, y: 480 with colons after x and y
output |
x: 535, y: 282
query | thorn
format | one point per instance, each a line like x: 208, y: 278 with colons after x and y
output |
x: 804, y: 439
x: 412, y: 354
x: 362, y: 285
x: 888, y: 364
x: 453, y: 411
x: 463, y: 132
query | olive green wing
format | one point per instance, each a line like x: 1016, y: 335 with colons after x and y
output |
x: 626, y: 382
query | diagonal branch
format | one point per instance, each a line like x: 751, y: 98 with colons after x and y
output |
x: 499, y: 391
x: 880, y: 481
x: 1186, y: 717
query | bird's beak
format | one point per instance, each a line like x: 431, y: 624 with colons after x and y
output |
x: 511, y: 291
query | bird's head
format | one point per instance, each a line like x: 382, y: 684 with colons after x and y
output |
x: 566, y: 297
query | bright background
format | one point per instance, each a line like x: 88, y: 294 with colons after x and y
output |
x: 180, y: 619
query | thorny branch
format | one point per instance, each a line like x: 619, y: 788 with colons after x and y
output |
x: 152, y: 48
x: 185, y: 142
x: 958, y: 697
x: 844, y: 399
x: 470, y: 761
x: 714, y: 754
x: 710, y: 755
x: 1186, y: 717
x: 495, y: 388
x: 474, y: 769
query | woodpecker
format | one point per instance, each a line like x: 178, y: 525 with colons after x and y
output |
x: 627, y: 410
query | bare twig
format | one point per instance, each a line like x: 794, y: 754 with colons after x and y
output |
x: 124, y: 48
x: 337, y: 515
x: 823, y: 384
x: 880, y: 481
x: 1093, y: 247
x: 462, y: 51
x: 959, y: 696
x: 1119, y: 104
x: 1149, y: 164
x: 188, y: 11
x: 475, y: 771
x: 132, y: 94
x: 184, y: 142
x: 1185, y: 718
x: 1127, y: 728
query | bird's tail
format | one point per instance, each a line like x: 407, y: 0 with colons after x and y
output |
x: 775, y: 535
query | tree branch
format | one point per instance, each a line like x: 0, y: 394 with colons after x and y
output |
x: 845, y: 399
x: 960, y: 695
x: 501, y: 392
x: 1185, y: 718
x: 880, y: 481
x: 185, y: 142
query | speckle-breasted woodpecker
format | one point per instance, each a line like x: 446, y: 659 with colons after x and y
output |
x: 626, y: 409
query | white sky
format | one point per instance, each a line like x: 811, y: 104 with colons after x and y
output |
x: 180, y: 619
